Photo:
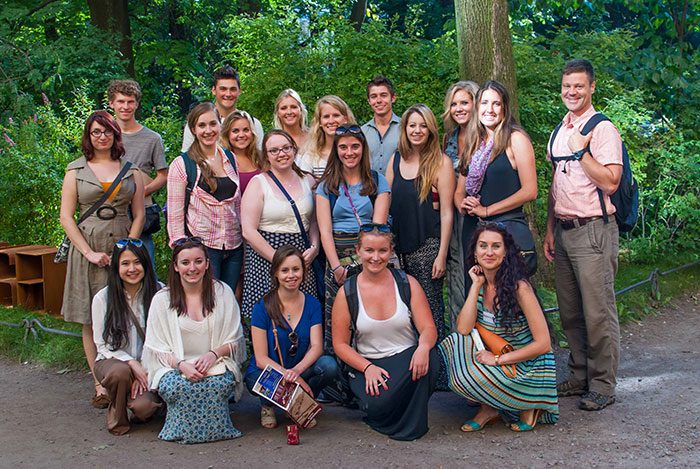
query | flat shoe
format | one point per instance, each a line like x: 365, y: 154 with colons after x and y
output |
x: 474, y: 426
x: 267, y: 417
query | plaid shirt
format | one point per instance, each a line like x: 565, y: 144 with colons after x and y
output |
x: 217, y: 223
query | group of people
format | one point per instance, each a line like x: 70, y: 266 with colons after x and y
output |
x: 336, y: 241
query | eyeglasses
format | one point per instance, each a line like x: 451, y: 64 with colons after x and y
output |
x: 196, y: 240
x: 122, y: 243
x: 287, y: 149
x: 381, y: 227
x: 350, y: 129
x: 294, y: 339
x: 97, y: 133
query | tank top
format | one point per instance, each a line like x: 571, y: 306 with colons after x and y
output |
x: 246, y: 177
x: 225, y: 188
x: 384, y: 338
x: 413, y: 221
x: 277, y: 215
x: 500, y: 182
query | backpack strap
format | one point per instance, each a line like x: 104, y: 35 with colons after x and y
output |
x: 550, y: 144
x: 232, y: 158
x: 191, y: 172
x: 588, y: 127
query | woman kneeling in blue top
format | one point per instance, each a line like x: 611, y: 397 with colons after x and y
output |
x: 296, y: 319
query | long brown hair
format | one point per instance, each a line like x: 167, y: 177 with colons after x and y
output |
x: 196, y: 152
x: 271, y: 300
x: 177, y: 293
x: 266, y: 159
x: 333, y: 175
x: 106, y: 120
x: 430, y: 158
x: 502, y: 133
x: 252, y: 151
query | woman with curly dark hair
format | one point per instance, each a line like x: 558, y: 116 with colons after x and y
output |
x: 520, y: 384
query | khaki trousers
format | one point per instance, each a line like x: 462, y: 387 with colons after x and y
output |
x: 116, y: 377
x: 585, y: 264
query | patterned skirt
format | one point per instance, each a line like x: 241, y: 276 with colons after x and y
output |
x: 197, y: 412
x: 256, y: 279
x: 534, y: 386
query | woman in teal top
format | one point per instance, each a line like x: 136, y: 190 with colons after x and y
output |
x: 349, y: 196
x: 519, y: 385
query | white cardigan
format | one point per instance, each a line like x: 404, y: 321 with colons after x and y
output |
x: 163, y: 335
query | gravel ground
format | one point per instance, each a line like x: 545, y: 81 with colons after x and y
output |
x: 46, y: 421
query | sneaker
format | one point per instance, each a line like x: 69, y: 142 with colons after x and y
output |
x: 571, y: 388
x: 267, y: 417
x: 595, y: 401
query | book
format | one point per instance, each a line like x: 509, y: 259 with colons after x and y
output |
x: 288, y: 396
x: 478, y: 343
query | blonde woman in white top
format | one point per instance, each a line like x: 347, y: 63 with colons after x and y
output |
x: 393, y: 354
x: 194, y: 349
x: 270, y: 221
x: 118, y: 324
x: 330, y: 113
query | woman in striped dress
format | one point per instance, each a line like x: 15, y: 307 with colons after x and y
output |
x: 502, y: 301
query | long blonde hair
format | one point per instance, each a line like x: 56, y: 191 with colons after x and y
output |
x: 449, y: 124
x: 290, y: 93
x: 251, y: 152
x: 317, y: 137
x: 502, y: 133
x: 196, y: 152
x: 430, y: 157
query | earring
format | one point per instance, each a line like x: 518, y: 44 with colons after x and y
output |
x: 476, y: 261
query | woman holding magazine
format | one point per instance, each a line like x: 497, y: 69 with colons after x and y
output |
x: 287, y: 333
x: 517, y: 383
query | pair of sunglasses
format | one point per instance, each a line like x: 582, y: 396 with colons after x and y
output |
x: 349, y: 129
x: 294, y: 347
x: 491, y: 224
x: 381, y: 227
x: 122, y: 243
x: 196, y: 240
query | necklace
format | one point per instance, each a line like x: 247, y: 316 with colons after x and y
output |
x: 289, y: 317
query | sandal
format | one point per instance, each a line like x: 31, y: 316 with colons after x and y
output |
x: 474, y: 426
x: 267, y: 417
x: 100, y: 400
x: 521, y: 426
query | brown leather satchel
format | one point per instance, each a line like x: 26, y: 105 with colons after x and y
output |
x: 498, y: 346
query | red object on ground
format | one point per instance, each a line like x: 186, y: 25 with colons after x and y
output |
x: 292, y: 435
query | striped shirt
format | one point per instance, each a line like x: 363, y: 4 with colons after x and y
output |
x: 218, y: 223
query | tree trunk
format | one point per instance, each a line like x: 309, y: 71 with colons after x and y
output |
x: 485, y: 45
x: 113, y: 16
x: 358, y: 13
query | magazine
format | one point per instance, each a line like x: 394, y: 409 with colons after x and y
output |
x: 288, y: 396
x: 478, y: 343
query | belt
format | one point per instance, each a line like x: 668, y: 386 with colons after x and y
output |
x: 575, y: 222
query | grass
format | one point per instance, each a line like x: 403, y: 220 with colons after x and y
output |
x: 67, y: 352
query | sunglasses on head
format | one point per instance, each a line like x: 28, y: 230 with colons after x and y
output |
x: 196, y: 240
x: 381, y: 227
x: 122, y: 243
x: 348, y: 129
x: 294, y: 339
x: 491, y: 224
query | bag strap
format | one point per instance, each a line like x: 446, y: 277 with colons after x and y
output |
x: 277, y: 342
x: 352, y: 204
x: 232, y: 159
x: 332, y: 198
x: 191, y: 172
x: 105, y: 196
x: 307, y: 244
x: 139, y: 329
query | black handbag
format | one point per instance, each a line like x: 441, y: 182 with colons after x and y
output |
x: 317, y: 266
x: 152, y: 223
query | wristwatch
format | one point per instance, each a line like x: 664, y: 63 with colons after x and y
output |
x: 579, y: 154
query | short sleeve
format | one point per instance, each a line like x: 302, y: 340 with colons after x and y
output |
x: 159, y: 154
x: 321, y: 190
x: 315, y: 309
x: 259, y: 317
x: 383, y: 184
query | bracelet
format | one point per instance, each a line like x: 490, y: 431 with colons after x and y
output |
x: 336, y: 268
x: 177, y: 367
x: 497, y: 358
x: 368, y: 365
x: 215, y: 354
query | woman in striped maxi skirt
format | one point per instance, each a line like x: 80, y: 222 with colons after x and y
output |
x: 503, y: 302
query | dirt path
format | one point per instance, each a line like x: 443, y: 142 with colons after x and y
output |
x: 46, y: 421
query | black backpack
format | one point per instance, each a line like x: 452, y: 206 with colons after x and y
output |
x: 332, y: 198
x: 626, y: 197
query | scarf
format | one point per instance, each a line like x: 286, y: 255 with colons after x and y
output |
x: 477, y: 167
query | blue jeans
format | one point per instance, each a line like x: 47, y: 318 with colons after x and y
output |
x: 226, y: 265
x: 318, y: 376
x: 147, y: 240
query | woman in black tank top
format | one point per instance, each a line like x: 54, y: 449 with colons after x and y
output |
x: 499, y: 175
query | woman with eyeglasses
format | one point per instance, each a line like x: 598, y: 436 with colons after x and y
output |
x: 119, y: 313
x: 290, y: 115
x: 498, y: 174
x: 88, y: 179
x: 330, y: 112
x: 349, y: 195
x: 422, y: 184
x: 209, y: 205
x: 279, y: 210
x: 384, y: 332
x: 287, y: 333
x: 194, y: 348
x: 519, y: 385
x: 238, y: 136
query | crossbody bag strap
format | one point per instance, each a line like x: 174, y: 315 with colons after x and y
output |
x: 277, y: 342
x: 307, y: 244
x: 352, y: 205
x: 139, y: 329
x: 105, y: 196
